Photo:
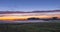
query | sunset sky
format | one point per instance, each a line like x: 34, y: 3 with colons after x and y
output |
x: 29, y: 5
x: 25, y: 16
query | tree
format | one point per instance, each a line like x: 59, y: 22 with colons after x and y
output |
x: 33, y: 18
x: 54, y: 18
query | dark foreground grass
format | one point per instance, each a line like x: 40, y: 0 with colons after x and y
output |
x: 30, y: 27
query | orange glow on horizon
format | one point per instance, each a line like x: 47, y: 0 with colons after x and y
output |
x: 26, y: 16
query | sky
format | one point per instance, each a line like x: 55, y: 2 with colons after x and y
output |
x: 29, y: 5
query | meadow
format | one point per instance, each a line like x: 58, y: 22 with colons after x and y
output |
x: 30, y: 27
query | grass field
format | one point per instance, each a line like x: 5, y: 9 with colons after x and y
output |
x: 30, y: 27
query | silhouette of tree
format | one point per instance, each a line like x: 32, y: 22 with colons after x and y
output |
x: 54, y: 18
x: 33, y: 18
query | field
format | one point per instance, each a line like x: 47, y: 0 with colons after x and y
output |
x: 31, y: 27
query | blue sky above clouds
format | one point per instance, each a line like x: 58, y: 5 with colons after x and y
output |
x: 29, y: 5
